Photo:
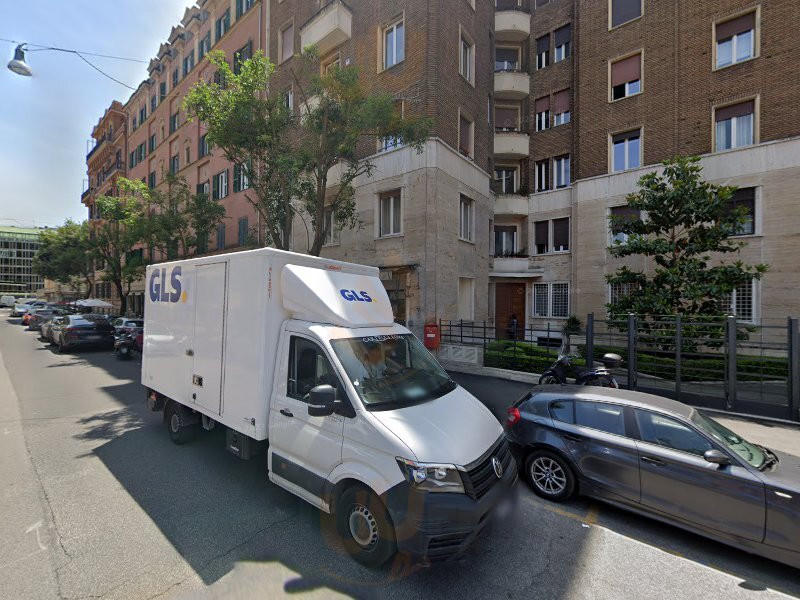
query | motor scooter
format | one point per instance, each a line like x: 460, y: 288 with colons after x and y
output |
x: 593, y: 375
x: 126, y: 344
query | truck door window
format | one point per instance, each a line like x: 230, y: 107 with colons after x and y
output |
x: 308, y: 368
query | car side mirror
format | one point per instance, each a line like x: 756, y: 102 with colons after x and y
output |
x: 321, y: 401
x: 716, y: 457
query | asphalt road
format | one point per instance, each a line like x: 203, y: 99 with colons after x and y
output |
x: 95, y: 501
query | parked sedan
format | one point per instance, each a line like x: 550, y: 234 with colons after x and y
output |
x: 660, y: 458
x: 74, y: 331
x: 126, y: 324
x: 46, y: 329
x: 37, y: 317
x: 22, y: 307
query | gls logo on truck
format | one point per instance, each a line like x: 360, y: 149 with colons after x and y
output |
x: 159, y: 292
x: 354, y: 296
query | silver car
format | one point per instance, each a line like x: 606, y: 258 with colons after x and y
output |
x: 660, y: 458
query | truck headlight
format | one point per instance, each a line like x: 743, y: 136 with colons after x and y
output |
x: 432, y: 477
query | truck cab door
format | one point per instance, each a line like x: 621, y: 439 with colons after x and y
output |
x: 303, y: 449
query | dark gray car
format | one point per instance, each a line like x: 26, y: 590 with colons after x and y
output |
x: 661, y: 458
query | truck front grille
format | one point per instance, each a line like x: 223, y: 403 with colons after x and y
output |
x: 479, y: 477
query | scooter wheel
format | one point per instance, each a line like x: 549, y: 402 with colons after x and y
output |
x: 547, y: 380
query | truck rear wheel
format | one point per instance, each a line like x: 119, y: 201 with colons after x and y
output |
x: 365, y: 527
x: 179, y: 431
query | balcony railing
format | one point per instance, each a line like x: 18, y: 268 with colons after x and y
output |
x: 96, y: 146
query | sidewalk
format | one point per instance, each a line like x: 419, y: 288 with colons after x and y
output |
x: 498, y: 394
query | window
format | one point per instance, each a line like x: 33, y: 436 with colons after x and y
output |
x: 466, y: 64
x: 152, y: 142
x: 466, y: 298
x: 132, y: 160
x: 242, y: 54
x: 540, y: 291
x: 623, y: 11
x: 561, y: 108
x: 204, y: 46
x: 561, y: 235
x: 188, y: 63
x: 204, y: 188
x: 308, y: 368
x: 465, y: 136
x: 240, y: 180
x: 393, y: 44
x: 219, y: 185
x: 626, y: 151
x: 669, y: 433
x: 505, y: 240
x: 542, y: 173
x: 562, y: 41
x: 506, y: 59
x: 135, y: 123
x: 389, y: 218
x: 541, y: 236
x: 505, y: 180
x: 542, y: 108
x: 541, y: 3
x: 223, y: 24
x: 173, y: 123
x: 736, y: 40
x: 174, y: 165
x: 734, y: 125
x: 242, y: 6
x: 286, y: 50
x: 466, y: 218
x: 203, y: 146
x: 506, y: 118
x: 741, y: 302
x: 626, y: 77
x: 391, y: 142
x: 141, y: 152
x: 561, y: 171
x: 162, y: 90
x: 621, y: 215
x: 563, y: 411
x: 600, y: 415
x: 331, y: 232
x: 175, y: 77
x: 620, y: 291
x: 188, y: 155
x: 153, y: 103
x: 221, y: 236
x: 288, y: 100
x: 331, y: 64
x: 744, y: 200
x: 243, y: 230
x: 542, y: 51
x: 151, y: 180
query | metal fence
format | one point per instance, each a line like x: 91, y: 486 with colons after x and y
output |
x: 719, y: 363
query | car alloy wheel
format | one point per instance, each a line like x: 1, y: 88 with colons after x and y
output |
x: 548, y: 476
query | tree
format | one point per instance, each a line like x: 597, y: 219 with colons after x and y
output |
x: 285, y: 157
x: 116, y: 239
x: 179, y: 222
x: 63, y: 256
x: 685, y: 234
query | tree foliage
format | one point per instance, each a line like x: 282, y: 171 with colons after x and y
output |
x: 63, y: 256
x: 286, y: 155
x: 685, y: 233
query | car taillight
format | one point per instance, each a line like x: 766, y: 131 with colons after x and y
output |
x: 513, y: 416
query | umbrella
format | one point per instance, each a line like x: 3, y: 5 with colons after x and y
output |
x: 93, y: 302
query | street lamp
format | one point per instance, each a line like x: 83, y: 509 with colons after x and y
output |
x: 18, y: 64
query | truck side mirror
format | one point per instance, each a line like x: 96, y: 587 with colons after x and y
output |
x: 322, y: 401
x: 716, y: 457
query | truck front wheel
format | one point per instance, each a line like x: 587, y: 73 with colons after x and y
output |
x: 179, y: 431
x: 365, y: 527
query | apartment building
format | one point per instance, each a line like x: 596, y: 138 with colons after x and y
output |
x: 602, y: 91
x: 17, y: 247
x: 545, y: 113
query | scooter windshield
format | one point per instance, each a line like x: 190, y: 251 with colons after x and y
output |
x: 392, y: 371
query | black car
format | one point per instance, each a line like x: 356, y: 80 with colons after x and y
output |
x: 82, y: 331
x: 662, y: 459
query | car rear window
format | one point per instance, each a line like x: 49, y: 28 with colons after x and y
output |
x: 601, y: 415
x: 135, y: 323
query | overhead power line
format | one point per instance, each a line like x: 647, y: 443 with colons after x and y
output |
x: 40, y: 47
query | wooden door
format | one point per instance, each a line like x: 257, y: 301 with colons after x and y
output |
x: 509, y: 302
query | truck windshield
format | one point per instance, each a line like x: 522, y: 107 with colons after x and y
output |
x: 392, y: 371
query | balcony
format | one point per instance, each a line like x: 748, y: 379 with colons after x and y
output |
x: 329, y: 28
x: 511, y: 144
x: 514, y: 266
x: 511, y: 205
x: 511, y: 85
x: 96, y: 146
x: 512, y: 25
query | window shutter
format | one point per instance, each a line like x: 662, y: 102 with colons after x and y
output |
x: 623, y: 11
x: 734, y: 110
x: 626, y: 70
x: 541, y: 235
x: 506, y: 117
x: 621, y: 137
x: 215, y: 185
x: 561, y: 102
x: 561, y: 233
x: 542, y: 104
x: 735, y: 26
x: 562, y: 35
x: 237, y: 178
x: 543, y: 44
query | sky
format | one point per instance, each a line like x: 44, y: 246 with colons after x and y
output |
x: 46, y: 120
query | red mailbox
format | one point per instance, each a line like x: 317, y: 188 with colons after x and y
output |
x: 432, y: 337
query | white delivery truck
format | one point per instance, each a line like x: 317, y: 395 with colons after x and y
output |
x: 301, y: 354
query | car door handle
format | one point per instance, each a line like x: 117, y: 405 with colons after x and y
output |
x: 286, y: 412
x: 572, y: 437
x: 653, y: 461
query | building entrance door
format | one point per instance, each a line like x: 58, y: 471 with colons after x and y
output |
x: 509, y: 301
